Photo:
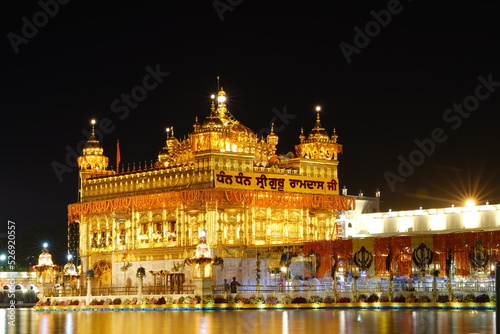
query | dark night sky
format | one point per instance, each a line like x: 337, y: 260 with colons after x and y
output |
x: 395, y: 90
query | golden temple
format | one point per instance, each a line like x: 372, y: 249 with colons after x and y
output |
x: 221, y: 180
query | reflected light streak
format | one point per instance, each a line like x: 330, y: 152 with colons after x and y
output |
x: 45, y: 325
x: 68, y: 325
x: 342, y: 322
x: 203, y: 328
x: 285, y: 323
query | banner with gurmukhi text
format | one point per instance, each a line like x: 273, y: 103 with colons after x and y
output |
x: 276, y: 182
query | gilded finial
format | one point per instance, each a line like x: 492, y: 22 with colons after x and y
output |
x: 170, y: 131
x: 302, y: 137
x: 92, y: 122
x: 213, y: 102
x: 318, y: 123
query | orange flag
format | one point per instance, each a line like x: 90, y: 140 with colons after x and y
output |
x: 118, y: 156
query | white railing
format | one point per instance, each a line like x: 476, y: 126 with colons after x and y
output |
x: 347, y: 290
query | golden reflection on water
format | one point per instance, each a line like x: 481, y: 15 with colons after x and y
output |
x: 250, y: 321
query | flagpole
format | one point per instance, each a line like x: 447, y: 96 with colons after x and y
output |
x: 118, y: 156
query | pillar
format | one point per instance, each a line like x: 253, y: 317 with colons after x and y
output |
x: 140, y: 289
x: 89, y: 290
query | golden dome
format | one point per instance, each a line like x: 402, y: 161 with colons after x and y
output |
x: 45, y: 259
x: 318, y: 144
x: 219, y: 131
x: 241, y: 128
x: 70, y: 269
x: 92, y: 146
x: 212, y: 122
x: 220, y: 119
x: 318, y: 132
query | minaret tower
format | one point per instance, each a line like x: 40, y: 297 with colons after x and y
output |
x: 272, y: 139
x: 92, y: 162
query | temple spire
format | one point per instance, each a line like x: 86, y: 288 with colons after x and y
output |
x: 221, y: 103
x: 318, y: 144
x: 92, y: 161
x: 92, y: 124
x: 318, y: 121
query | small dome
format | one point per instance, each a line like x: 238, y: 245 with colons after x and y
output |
x: 212, y: 122
x: 70, y: 269
x: 318, y: 133
x: 92, y: 143
x: 241, y: 128
x: 92, y: 146
x: 45, y: 259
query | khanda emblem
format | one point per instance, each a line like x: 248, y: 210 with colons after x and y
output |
x: 363, y: 259
x: 422, y: 256
x: 478, y: 255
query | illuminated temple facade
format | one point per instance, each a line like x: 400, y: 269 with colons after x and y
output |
x: 221, y: 181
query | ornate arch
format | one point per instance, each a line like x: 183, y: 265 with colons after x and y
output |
x: 102, y: 272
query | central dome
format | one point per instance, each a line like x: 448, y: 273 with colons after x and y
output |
x: 241, y: 128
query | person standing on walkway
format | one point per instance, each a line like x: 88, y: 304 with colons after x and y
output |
x: 234, y: 285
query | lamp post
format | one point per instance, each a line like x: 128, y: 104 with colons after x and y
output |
x: 497, y: 295
x: 89, y: 275
x: 141, y: 272
x: 3, y: 257
x: 355, y: 276
x: 257, y: 273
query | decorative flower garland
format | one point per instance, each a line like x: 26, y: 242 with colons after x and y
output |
x: 45, y: 267
x: 161, y: 273
x: 257, y: 271
x: 204, y: 261
x: 252, y: 197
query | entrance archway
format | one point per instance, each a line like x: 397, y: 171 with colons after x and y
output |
x: 102, y: 273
